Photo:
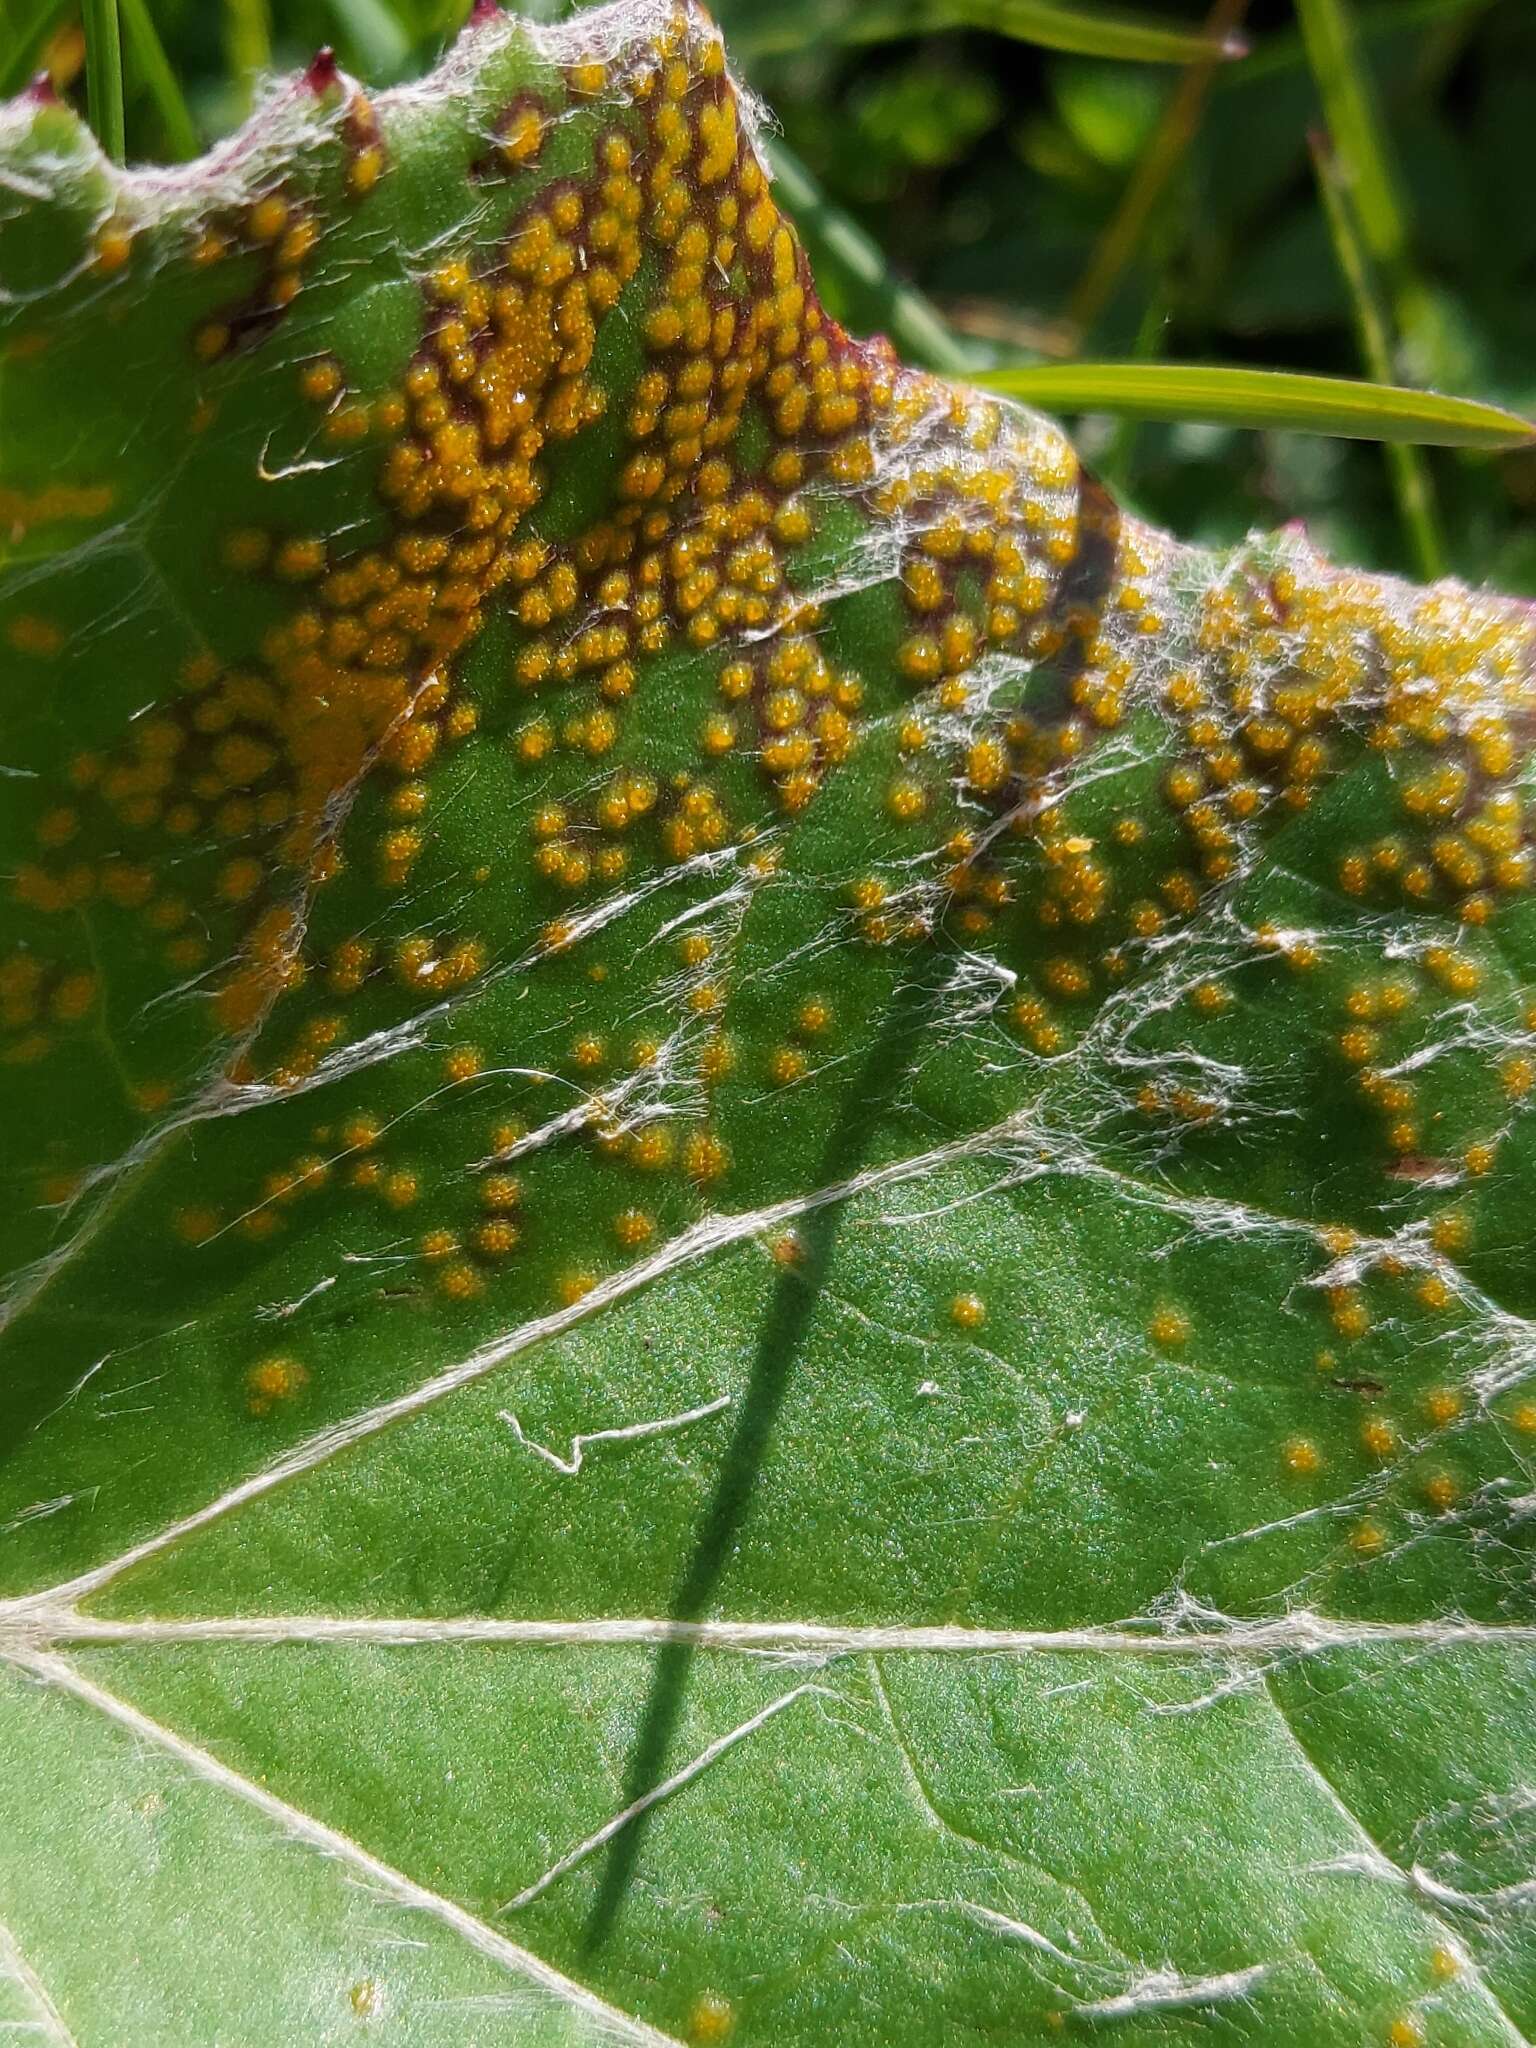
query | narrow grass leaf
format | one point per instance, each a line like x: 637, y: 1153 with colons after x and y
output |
x: 371, y: 37
x: 1354, y: 122
x: 247, y: 43
x: 104, y: 75
x: 1411, y: 482
x: 1286, y: 51
x: 1092, y: 32
x: 1079, y: 30
x: 1273, y: 399
x: 1119, y: 459
x: 1154, y: 171
x: 154, y: 70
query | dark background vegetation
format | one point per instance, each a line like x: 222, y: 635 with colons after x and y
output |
x: 988, y: 173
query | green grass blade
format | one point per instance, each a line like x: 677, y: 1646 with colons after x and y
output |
x: 247, y: 43
x: 842, y: 251
x: 26, y: 45
x: 1154, y: 172
x: 371, y: 36
x: 1118, y: 463
x: 1091, y: 32
x: 154, y: 69
x: 104, y: 75
x: 1354, y: 122
x: 798, y: 25
x: 1411, y: 482
x: 1078, y: 29
x: 1273, y: 399
x: 1285, y: 51
x: 1369, y: 223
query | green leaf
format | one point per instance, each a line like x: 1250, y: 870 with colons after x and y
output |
x: 766, y: 1198
x: 1274, y: 399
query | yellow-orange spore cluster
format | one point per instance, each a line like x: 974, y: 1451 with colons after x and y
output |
x: 283, y: 235
x: 1289, y: 671
x: 692, y: 549
x: 1436, y: 681
x: 37, y: 997
x: 359, y: 670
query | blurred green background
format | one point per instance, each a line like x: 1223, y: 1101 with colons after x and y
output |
x: 1355, y: 206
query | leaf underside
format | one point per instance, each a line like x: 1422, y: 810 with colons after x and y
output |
x: 766, y: 1190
